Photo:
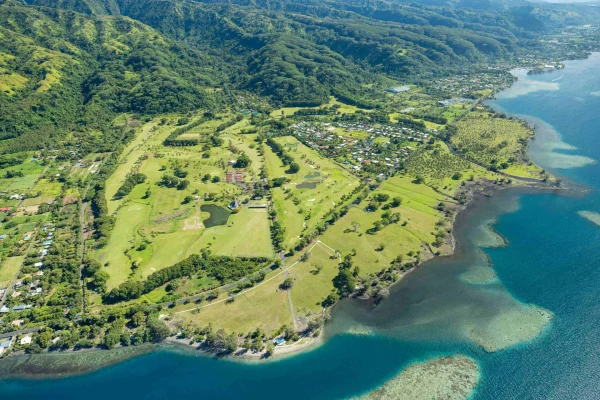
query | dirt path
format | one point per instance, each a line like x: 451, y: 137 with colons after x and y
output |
x: 291, y: 303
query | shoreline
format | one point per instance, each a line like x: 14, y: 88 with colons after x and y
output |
x: 30, y: 366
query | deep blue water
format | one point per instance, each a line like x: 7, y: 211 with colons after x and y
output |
x: 552, y: 261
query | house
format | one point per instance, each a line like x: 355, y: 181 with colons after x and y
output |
x: 18, y: 284
x: 5, y: 345
x: 239, y: 176
x: 15, y: 294
x: 39, y: 273
x: 5, y: 209
x: 229, y: 176
x: 2, y: 237
x: 234, y: 204
x: 38, y: 264
x: 26, y: 340
x: 34, y: 284
x: 17, y: 322
x: 27, y: 237
x: 21, y: 307
x: 4, y: 310
x: 279, y: 341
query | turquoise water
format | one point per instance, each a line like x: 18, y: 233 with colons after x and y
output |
x: 552, y: 261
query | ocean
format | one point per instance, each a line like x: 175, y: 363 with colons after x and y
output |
x: 524, y: 256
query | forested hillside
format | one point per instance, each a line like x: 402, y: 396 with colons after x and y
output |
x: 68, y: 66
x: 64, y: 72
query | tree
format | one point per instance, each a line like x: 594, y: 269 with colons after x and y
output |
x: 99, y: 280
x: 138, y: 319
x: 157, y: 330
x: 187, y: 199
x: 294, y: 168
x: 206, y: 178
x: 215, y: 179
x: 270, y: 350
x: 243, y: 161
x: 111, y: 338
x: 396, y: 202
x: 148, y: 193
x: 286, y: 284
x: 345, y: 282
x: 125, y: 339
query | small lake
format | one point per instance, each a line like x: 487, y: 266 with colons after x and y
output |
x: 307, y: 185
x: 313, y: 175
x: 218, y: 215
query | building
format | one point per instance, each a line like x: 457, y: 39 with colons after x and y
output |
x: 229, y: 176
x: 234, y: 204
x: 5, y: 345
x: 26, y: 340
x: 21, y: 307
x: 239, y: 176
x: 279, y: 341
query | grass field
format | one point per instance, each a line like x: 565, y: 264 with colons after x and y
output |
x: 171, y: 229
x: 343, y: 108
x: 130, y: 156
x: 439, y: 168
x: 9, y: 269
x: 418, y: 210
x: 267, y: 306
x: 47, y: 190
x: 490, y: 140
x: 300, y: 209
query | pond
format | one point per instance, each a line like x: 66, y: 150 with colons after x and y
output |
x: 307, y: 185
x: 218, y: 215
x: 313, y: 175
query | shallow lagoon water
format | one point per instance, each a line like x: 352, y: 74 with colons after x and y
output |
x: 550, y: 262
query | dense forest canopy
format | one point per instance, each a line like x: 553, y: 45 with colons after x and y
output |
x: 68, y: 66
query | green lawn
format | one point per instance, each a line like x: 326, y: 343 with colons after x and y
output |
x: 296, y: 207
x: 9, y: 269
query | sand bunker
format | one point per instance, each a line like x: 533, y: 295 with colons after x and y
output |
x: 591, y: 216
x: 479, y: 275
x: 510, y: 328
x: 449, y: 378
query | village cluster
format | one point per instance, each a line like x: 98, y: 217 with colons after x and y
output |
x: 356, y: 142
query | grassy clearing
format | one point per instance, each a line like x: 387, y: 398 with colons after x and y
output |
x: 341, y: 107
x: 9, y: 269
x: 124, y: 235
x: 266, y: 307
x: 11, y: 81
x: 418, y: 210
x: 312, y: 285
x: 47, y: 191
x: 167, y: 228
x: 490, y: 140
x: 300, y: 209
x: 443, y: 170
x: 129, y: 157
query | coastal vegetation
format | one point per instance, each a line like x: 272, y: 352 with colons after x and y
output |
x: 225, y: 173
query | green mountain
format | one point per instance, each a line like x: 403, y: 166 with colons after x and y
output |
x: 63, y: 73
x: 68, y: 66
